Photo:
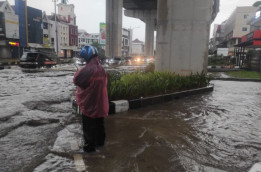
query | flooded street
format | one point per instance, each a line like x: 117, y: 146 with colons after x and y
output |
x: 213, y: 132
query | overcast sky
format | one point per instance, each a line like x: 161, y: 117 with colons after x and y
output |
x: 91, y: 12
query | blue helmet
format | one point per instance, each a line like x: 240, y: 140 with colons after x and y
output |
x: 88, y: 52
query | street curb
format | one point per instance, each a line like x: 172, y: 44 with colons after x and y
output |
x: 238, y: 79
x: 124, y: 105
x: 222, y: 70
x: 121, y: 105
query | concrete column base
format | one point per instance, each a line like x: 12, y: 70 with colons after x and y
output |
x: 183, y: 34
x: 149, y: 37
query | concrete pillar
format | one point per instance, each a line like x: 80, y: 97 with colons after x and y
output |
x: 182, y: 35
x: 113, y: 28
x: 149, y: 37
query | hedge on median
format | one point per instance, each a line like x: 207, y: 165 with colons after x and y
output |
x: 145, y: 84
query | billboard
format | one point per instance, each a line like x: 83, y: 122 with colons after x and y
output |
x: 222, y: 51
x: 11, y: 26
x: 102, y: 33
x: 2, y: 25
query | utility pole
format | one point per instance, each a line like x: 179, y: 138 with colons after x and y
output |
x: 55, y: 23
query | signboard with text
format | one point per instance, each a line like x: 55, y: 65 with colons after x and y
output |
x: 12, y: 26
x: 102, y: 33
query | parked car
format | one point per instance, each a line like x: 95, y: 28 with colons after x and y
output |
x: 114, y: 61
x: 36, y: 60
x: 128, y: 60
x: 138, y: 60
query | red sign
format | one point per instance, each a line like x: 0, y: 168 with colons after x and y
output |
x: 257, y: 34
x: 256, y: 42
x: 251, y: 36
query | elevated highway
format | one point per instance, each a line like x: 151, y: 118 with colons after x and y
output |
x: 182, y: 31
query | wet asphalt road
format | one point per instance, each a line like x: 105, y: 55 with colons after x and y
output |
x: 218, y: 131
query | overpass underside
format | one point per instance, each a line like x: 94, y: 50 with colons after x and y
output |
x: 182, y: 31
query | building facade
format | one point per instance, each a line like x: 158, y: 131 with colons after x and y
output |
x: 85, y: 38
x: 137, y: 48
x: 255, y: 22
x: 217, y: 37
x: 30, y: 26
x: 126, y: 41
x: 67, y: 30
x: 237, y: 26
x: 9, y: 31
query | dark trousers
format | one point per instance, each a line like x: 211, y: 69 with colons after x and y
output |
x: 93, y: 131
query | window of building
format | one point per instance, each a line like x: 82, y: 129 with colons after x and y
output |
x: 45, y: 25
x: 244, y: 29
x: 126, y: 42
x: 245, y: 16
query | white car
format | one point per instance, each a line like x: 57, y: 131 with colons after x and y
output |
x: 80, y: 61
x: 114, y: 61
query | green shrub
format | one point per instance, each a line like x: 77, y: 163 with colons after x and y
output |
x: 136, y: 85
x: 113, y: 76
x: 218, y: 61
x: 150, y: 67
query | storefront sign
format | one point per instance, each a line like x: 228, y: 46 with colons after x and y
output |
x: 11, y: 26
x: 14, y: 44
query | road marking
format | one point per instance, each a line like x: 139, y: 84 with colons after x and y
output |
x: 79, y: 163
x: 78, y: 159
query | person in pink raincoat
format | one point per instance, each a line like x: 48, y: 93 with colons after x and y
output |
x: 92, y: 98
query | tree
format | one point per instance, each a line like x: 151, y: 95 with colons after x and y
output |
x: 99, y: 48
x: 257, y: 3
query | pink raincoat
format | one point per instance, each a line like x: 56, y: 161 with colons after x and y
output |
x: 91, y: 95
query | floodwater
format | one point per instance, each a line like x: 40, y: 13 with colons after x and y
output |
x: 212, y: 132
